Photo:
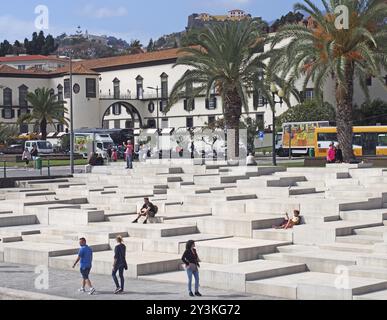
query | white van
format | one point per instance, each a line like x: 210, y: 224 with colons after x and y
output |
x: 44, y: 147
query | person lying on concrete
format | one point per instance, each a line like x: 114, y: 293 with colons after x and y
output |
x: 148, y: 210
x: 290, y: 223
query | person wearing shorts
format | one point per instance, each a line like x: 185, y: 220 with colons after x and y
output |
x: 85, y: 257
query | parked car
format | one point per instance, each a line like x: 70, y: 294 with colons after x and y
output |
x: 44, y: 147
x: 13, y: 149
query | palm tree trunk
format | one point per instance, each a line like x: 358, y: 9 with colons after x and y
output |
x: 43, y: 129
x: 233, y: 112
x: 344, y: 113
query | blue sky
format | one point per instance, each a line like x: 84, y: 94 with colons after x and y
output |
x: 130, y: 19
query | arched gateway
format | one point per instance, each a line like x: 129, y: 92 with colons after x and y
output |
x: 121, y: 115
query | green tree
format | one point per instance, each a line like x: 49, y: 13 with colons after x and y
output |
x: 223, y: 60
x: 371, y: 113
x: 312, y: 110
x: 151, y: 46
x: 46, y: 110
x: 326, y: 51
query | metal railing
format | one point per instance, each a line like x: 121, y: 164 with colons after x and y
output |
x: 8, y: 171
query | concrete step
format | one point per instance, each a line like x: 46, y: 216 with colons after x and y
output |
x: 374, y: 260
x: 149, y: 231
x: 363, y: 215
x: 38, y: 253
x: 317, y: 260
x: 375, y: 231
x: 368, y: 272
x: 378, y: 295
x: 359, y: 240
x: 74, y: 217
x: 139, y: 263
x: 10, y: 220
x: 274, y: 234
x: 237, y: 225
x: 348, y: 247
x: 235, y: 250
x: 313, y: 286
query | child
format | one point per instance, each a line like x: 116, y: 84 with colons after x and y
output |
x: 290, y: 223
x: 114, y: 155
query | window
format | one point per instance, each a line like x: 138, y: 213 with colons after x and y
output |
x: 8, y: 113
x: 21, y: 67
x: 105, y: 124
x: 211, y: 103
x: 327, y: 137
x: 117, y: 109
x: 163, y: 105
x: 309, y: 94
x: 258, y: 100
x: 152, y: 124
x: 164, y: 86
x: 190, y: 122
x: 211, y: 120
x: 189, y: 102
x: 129, y: 124
x: 151, y: 107
x: 91, y: 88
x: 60, y: 128
x: 369, y: 81
x: 67, y: 91
x: 60, y: 92
x: 7, y: 97
x: 140, y: 87
x: 382, y: 140
x: 117, y: 124
x: 164, y: 123
x: 24, y: 128
x: 116, y: 88
x: 260, y: 120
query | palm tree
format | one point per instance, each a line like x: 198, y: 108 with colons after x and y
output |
x: 325, y: 51
x: 7, y: 131
x: 47, y: 110
x: 225, y: 60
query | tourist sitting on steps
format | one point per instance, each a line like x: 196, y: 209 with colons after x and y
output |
x: 290, y: 223
x: 148, y: 210
x: 250, y: 160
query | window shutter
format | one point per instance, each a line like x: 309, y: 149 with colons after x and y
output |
x: 207, y: 104
x: 3, y: 114
x: 185, y: 105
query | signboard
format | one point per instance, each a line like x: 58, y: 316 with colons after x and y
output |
x: 81, y: 144
x: 261, y: 135
x: 300, y: 134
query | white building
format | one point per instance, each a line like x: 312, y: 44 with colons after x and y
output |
x: 40, y: 62
x: 120, y: 92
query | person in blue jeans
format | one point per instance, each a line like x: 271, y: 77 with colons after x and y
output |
x: 192, y: 263
x: 85, y: 257
x: 129, y: 151
x: 119, y: 265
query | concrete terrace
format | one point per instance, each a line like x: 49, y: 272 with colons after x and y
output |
x: 227, y: 210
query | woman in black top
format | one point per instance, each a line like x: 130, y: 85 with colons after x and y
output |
x: 192, y: 263
x: 119, y: 265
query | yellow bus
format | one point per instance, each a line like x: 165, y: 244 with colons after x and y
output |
x: 367, y: 141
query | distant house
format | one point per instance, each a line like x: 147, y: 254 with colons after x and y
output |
x: 26, y: 62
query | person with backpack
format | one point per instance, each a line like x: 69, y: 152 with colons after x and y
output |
x: 119, y: 265
x: 148, y: 210
x: 192, y: 265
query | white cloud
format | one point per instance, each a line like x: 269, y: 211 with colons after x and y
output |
x: 12, y: 28
x: 103, y: 12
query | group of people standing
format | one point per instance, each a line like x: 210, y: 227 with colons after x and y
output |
x: 335, y: 154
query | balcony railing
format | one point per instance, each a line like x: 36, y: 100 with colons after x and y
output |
x: 128, y: 97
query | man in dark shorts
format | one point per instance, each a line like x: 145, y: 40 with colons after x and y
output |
x: 85, y: 257
x: 148, y: 210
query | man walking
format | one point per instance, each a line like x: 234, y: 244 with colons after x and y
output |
x: 85, y: 257
x: 129, y: 150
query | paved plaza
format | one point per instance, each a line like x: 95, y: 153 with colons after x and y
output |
x: 338, y: 252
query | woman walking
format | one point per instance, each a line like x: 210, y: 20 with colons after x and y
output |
x: 26, y: 157
x: 191, y: 260
x: 119, y: 265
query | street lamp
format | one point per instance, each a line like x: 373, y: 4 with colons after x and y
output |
x: 280, y: 93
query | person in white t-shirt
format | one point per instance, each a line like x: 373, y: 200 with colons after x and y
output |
x: 250, y: 160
